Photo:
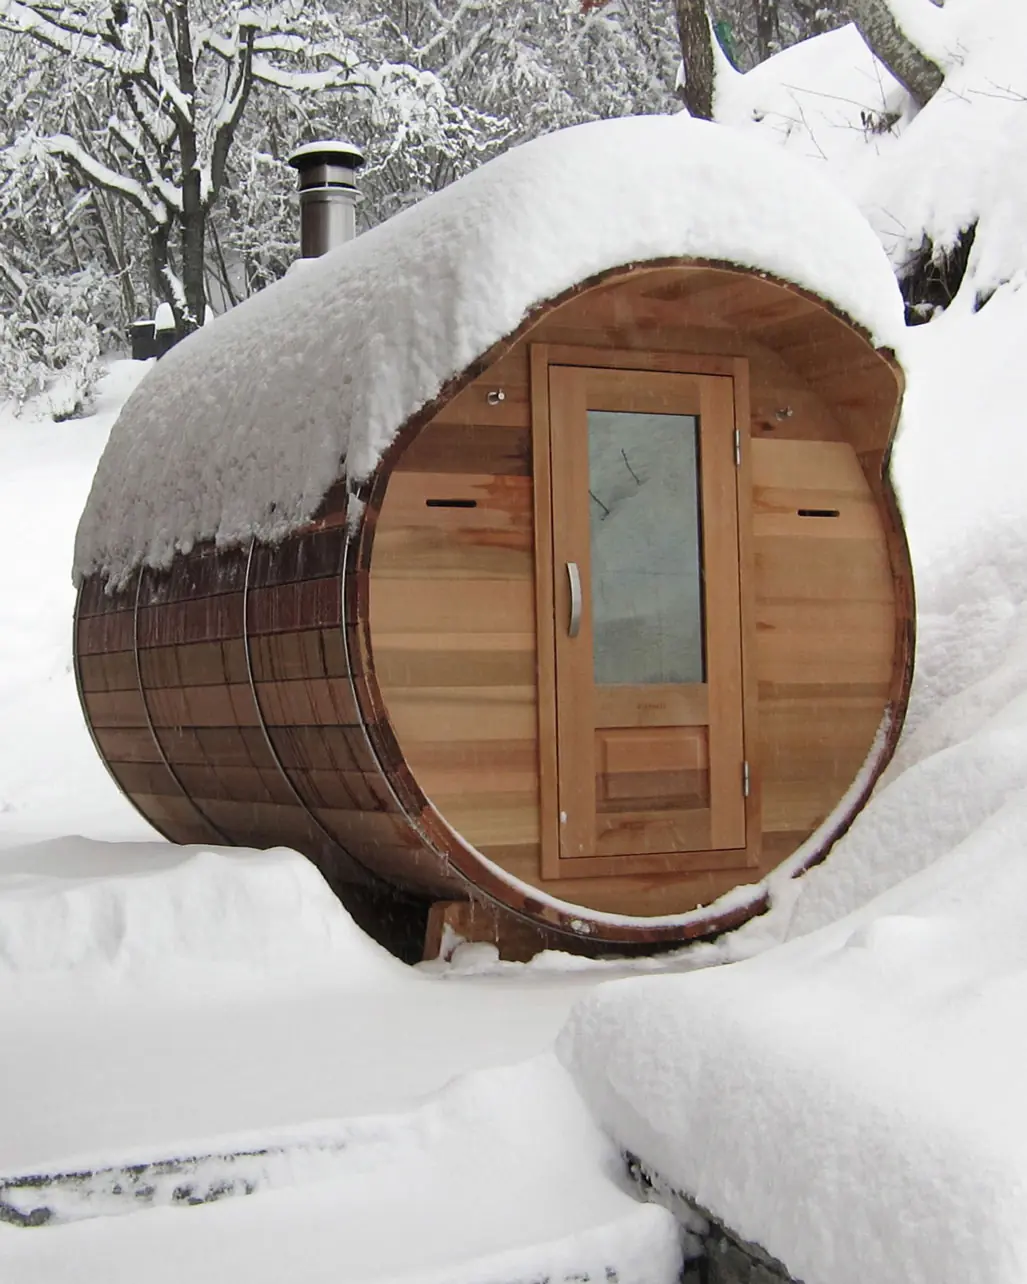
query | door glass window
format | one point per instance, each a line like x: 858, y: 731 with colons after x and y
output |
x: 647, y: 600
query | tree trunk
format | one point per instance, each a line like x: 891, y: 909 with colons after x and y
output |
x: 159, y: 236
x: 908, y: 64
x: 193, y: 219
x: 696, y: 56
x: 766, y: 29
x: 194, y: 236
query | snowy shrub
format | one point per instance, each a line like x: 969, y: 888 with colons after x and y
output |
x: 54, y: 361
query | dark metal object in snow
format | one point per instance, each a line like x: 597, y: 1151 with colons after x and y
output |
x: 45, y: 1199
x: 718, y: 1256
x: 148, y: 341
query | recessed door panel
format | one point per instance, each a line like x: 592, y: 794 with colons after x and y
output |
x: 648, y: 633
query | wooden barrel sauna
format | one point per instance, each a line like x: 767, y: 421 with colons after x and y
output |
x: 452, y: 684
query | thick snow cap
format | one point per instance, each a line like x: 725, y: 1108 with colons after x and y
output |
x: 240, y: 430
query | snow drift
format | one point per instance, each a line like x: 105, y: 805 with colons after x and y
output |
x: 853, y: 1100
x: 78, y: 905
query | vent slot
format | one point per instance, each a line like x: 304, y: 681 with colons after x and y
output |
x: 451, y: 503
x: 819, y: 512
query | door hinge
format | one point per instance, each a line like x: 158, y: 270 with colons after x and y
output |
x: 746, y: 784
x: 738, y: 447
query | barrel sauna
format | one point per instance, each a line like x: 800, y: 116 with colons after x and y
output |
x: 620, y: 620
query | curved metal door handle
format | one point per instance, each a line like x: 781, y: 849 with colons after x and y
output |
x: 574, y: 582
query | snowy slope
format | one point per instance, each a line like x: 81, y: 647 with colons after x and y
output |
x: 51, y: 778
x: 919, y: 177
x: 874, y: 1062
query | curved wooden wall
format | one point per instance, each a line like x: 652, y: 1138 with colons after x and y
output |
x: 220, y: 697
x: 373, y: 704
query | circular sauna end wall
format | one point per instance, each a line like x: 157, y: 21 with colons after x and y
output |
x: 470, y: 600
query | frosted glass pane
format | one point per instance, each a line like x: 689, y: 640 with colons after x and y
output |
x: 647, y: 623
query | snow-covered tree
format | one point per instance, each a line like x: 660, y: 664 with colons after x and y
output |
x: 156, y: 93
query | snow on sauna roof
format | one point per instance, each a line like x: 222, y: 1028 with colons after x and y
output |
x: 240, y: 430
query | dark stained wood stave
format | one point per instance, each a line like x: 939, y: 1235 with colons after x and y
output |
x: 229, y: 715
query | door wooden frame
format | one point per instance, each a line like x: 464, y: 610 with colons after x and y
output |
x: 542, y: 356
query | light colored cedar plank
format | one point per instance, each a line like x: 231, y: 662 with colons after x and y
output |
x: 463, y: 768
x: 678, y: 864
x: 639, y: 833
x: 485, y: 819
x: 807, y: 743
x: 453, y: 554
x: 414, y: 605
x: 457, y: 448
x: 723, y: 613
x: 419, y: 660
x: 639, y: 749
x: 751, y: 738
x: 462, y: 713
x: 501, y: 503
x: 800, y: 804
x: 575, y: 713
x: 792, y: 569
x: 801, y: 465
x: 672, y: 790
x: 817, y: 516
x: 653, y: 705
x: 824, y: 642
x: 545, y: 617
x: 508, y: 375
x: 610, y: 373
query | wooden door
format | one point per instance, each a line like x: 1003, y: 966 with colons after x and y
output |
x: 646, y: 591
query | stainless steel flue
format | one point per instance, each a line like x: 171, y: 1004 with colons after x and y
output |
x: 328, y: 194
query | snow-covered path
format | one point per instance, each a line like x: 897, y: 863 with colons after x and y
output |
x: 295, y: 1017
x: 503, y: 1177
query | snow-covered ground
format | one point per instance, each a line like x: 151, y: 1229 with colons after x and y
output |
x: 158, y: 1002
x: 851, y: 1098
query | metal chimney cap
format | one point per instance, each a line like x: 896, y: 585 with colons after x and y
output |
x: 339, y: 152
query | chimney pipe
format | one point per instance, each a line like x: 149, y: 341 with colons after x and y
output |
x: 328, y: 194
